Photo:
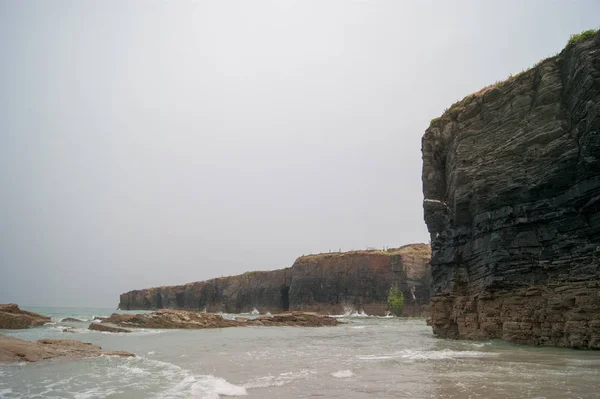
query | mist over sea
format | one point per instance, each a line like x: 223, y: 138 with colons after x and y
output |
x: 369, y: 357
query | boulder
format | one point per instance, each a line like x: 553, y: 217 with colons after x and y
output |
x: 11, y: 317
x: 71, y: 320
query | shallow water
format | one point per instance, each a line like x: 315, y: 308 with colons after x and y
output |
x: 369, y: 357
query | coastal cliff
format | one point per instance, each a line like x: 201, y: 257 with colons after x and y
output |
x: 511, y: 181
x: 324, y: 283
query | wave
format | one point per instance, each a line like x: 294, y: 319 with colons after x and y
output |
x: 343, y: 374
x: 278, y: 380
x: 411, y: 354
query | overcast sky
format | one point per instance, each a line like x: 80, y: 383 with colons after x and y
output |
x: 157, y: 143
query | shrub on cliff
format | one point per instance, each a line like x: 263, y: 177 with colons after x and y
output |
x: 581, y: 36
x: 395, y: 300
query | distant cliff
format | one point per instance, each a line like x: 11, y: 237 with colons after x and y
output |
x: 511, y: 180
x: 324, y: 283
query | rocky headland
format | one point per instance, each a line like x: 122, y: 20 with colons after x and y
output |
x: 324, y: 283
x: 511, y: 181
x: 12, y: 317
x: 14, y: 349
x: 185, y: 319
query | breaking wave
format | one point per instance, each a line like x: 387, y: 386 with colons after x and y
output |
x: 411, y: 354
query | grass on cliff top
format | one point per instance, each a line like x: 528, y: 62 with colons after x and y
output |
x: 460, y: 105
x: 586, y: 34
x: 405, y: 249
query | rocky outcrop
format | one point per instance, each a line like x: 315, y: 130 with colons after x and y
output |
x: 14, y: 349
x: 184, y: 319
x: 11, y: 317
x: 324, y: 283
x: 105, y: 328
x: 511, y: 180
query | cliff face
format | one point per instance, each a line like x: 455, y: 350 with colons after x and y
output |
x: 325, y: 283
x: 511, y: 180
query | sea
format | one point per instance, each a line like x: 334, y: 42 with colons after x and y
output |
x: 368, y: 357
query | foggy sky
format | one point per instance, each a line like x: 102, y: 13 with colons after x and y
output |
x: 158, y: 143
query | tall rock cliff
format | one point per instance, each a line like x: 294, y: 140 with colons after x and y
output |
x: 511, y: 180
x: 324, y: 283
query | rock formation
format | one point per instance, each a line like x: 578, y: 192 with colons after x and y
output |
x: 324, y: 283
x: 11, y: 317
x: 511, y: 180
x: 185, y: 319
x: 14, y: 349
x: 105, y: 328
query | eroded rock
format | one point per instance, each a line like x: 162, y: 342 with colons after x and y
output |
x: 12, y: 317
x: 14, y: 349
x: 183, y: 319
x: 511, y: 180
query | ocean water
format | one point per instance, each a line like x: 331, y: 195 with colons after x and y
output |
x: 369, y: 357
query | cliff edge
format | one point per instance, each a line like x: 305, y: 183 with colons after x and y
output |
x: 324, y: 283
x: 511, y: 181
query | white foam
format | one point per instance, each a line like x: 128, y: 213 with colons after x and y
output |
x: 279, y: 380
x: 255, y: 311
x: 209, y: 387
x: 410, y: 354
x: 342, y: 374
x: 4, y: 392
x: 151, y: 353
x: 358, y: 327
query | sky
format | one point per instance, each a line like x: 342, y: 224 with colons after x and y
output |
x: 147, y: 143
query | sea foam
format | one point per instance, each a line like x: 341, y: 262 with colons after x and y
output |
x: 342, y: 374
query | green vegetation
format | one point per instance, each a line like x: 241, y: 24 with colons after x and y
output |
x: 395, y: 300
x: 581, y: 36
x: 598, y: 249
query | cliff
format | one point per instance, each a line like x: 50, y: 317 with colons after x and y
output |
x: 324, y: 283
x: 511, y: 180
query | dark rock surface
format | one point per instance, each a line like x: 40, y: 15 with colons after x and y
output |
x: 324, y: 283
x: 511, y: 180
x: 12, y: 317
x: 70, y: 320
x: 14, y: 349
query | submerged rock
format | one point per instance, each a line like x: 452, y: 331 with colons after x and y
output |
x: 184, y: 319
x: 71, y: 320
x: 105, y: 328
x: 14, y: 349
x: 511, y: 180
x: 11, y: 317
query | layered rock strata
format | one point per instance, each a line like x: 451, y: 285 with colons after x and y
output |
x: 324, y: 283
x: 511, y: 180
x: 12, y: 317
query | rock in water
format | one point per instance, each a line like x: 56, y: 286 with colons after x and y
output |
x: 511, y: 180
x: 105, y: 328
x: 11, y: 317
x: 70, y: 320
x: 185, y: 319
x: 14, y: 349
